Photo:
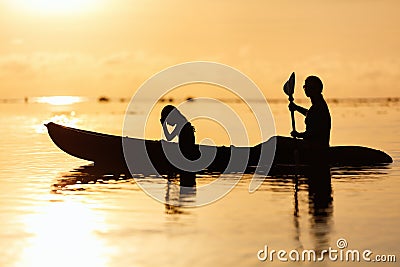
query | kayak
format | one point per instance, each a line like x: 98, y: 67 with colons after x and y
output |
x: 148, y: 157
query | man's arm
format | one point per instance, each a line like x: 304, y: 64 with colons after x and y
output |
x: 293, y: 106
x: 316, y: 127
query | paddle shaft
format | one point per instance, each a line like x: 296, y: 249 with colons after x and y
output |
x: 296, y: 151
x: 293, y: 121
x: 292, y: 113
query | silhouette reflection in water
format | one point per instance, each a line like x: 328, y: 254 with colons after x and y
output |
x: 89, y: 174
x: 317, y: 183
x: 320, y: 206
x: 320, y: 198
x: 177, y: 196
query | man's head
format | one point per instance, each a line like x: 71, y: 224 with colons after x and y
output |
x: 313, y: 86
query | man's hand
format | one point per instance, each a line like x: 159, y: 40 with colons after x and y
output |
x: 292, y: 106
x: 295, y: 134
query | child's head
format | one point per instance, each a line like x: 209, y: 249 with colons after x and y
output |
x: 167, y: 110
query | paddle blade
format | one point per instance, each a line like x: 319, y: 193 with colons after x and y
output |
x: 288, y: 87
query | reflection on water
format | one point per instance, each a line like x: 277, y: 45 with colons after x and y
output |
x: 74, y: 224
x: 178, y: 196
x: 63, y: 226
x: 88, y: 174
x: 361, y: 172
x: 317, y: 184
x: 175, y: 195
x: 320, y: 199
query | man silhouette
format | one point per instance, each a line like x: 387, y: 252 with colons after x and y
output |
x: 318, y: 120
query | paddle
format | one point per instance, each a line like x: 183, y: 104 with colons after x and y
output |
x: 288, y: 88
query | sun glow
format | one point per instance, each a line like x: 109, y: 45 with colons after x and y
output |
x: 56, y: 6
x: 59, y: 100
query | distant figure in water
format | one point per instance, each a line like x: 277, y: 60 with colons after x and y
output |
x: 318, y: 121
x: 185, y: 131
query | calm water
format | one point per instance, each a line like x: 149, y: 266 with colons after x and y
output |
x: 52, y: 215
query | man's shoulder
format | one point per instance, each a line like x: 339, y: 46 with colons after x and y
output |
x: 321, y: 103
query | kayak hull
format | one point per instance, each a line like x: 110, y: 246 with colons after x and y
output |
x: 108, y: 151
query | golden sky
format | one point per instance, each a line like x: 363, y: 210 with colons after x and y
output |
x: 110, y: 47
